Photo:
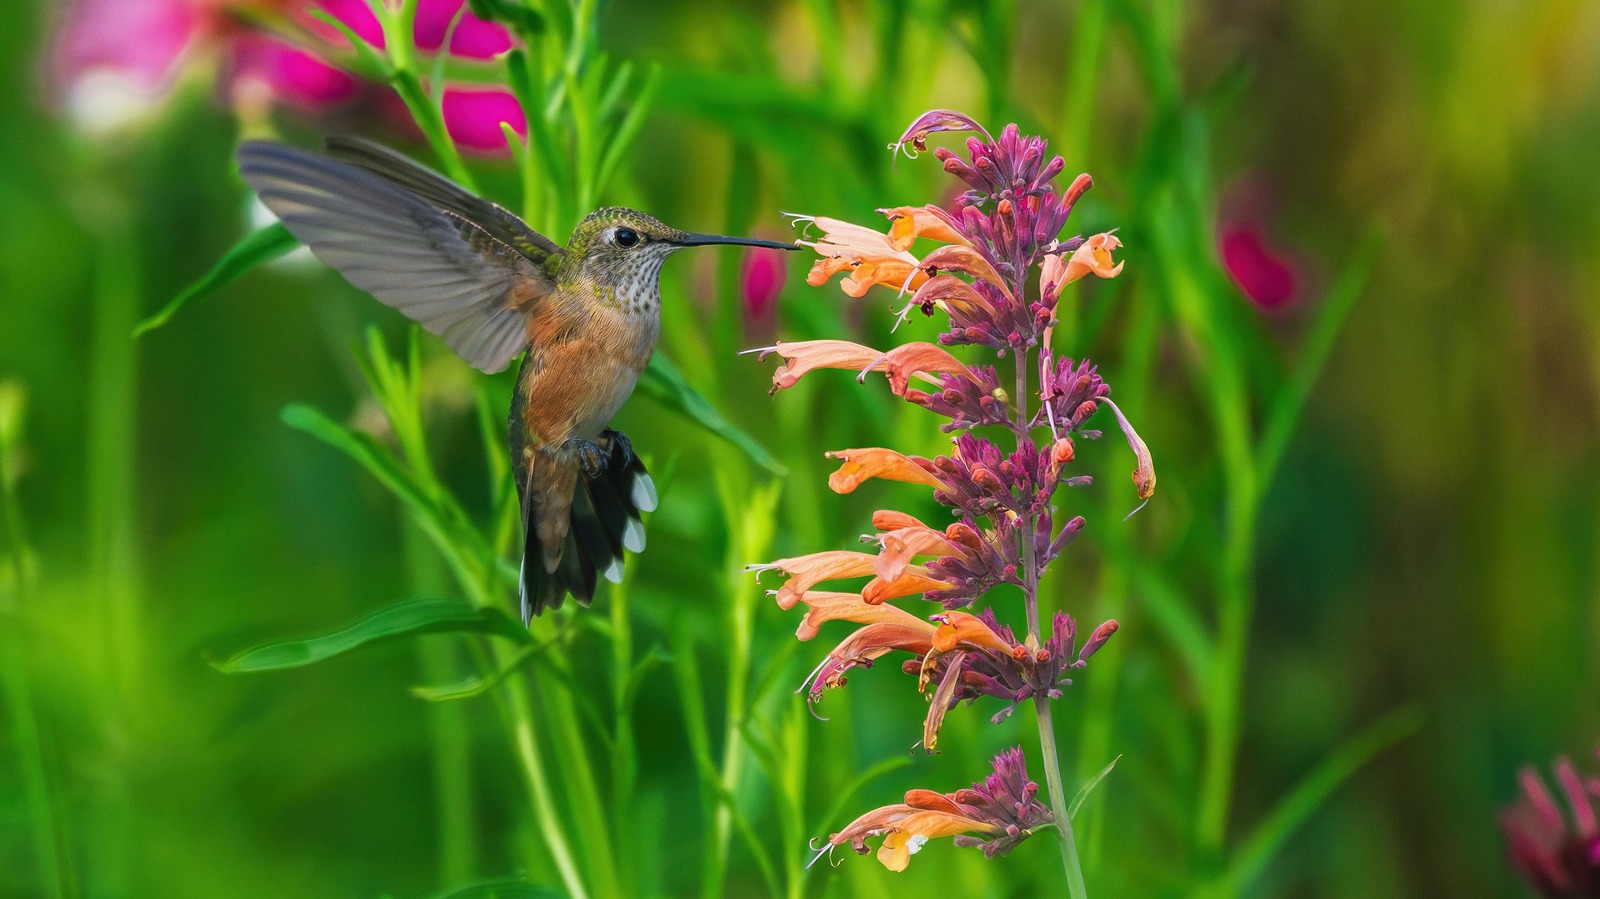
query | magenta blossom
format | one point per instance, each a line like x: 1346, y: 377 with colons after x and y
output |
x: 1556, y: 846
x: 113, y: 60
x: 1263, y: 272
x: 760, y: 281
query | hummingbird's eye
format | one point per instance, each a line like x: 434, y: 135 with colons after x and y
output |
x: 625, y: 237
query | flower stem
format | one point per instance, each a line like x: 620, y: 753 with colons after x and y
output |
x: 1041, y: 703
x: 1058, y: 800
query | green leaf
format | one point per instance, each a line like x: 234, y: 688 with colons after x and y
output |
x: 1176, y: 618
x: 664, y: 383
x: 1331, y: 314
x: 1088, y: 787
x: 252, y: 250
x: 843, y: 796
x: 403, y: 619
x: 370, y: 62
x: 372, y: 455
x: 477, y: 686
x: 1292, y: 811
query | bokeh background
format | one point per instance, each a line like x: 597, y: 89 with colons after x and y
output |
x: 1397, y: 199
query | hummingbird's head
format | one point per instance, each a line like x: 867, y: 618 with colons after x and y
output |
x: 624, y: 248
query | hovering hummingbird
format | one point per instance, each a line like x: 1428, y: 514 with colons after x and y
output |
x: 476, y: 275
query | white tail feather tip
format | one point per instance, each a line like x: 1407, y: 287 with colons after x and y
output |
x: 644, y: 493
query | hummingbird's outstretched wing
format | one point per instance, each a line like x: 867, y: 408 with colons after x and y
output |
x: 462, y: 267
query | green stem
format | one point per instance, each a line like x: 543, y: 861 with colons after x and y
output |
x: 448, y: 729
x: 1041, y: 705
x: 515, y: 708
x: 399, y: 33
x: 1231, y: 417
x: 27, y: 737
x: 624, y: 750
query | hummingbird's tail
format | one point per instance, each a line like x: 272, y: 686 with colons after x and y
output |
x: 576, y: 527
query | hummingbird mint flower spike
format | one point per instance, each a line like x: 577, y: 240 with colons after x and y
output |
x: 993, y: 267
x: 994, y: 816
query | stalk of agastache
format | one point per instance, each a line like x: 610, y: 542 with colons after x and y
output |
x: 993, y: 271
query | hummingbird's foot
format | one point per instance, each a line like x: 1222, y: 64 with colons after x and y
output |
x: 621, y: 448
x: 591, y: 458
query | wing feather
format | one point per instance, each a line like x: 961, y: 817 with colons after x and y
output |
x: 465, y: 269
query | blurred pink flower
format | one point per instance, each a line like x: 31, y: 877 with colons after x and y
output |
x: 1264, y: 273
x: 1556, y: 851
x: 473, y: 116
x: 269, y: 69
x: 113, y: 60
x: 760, y: 281
x: 473, y: 38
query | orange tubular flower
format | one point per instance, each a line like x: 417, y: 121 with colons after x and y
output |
x: 921, y: 360
x: 1094, y: 256
x: 801, y: 357
x: 994, y: 815
x: 897, y: 547
x: 907, y: 223
x: 806, y: 572
x: 877, y: 462
x: 960, y: 627
x: 824, y: 606
x: 870, y: 257
x: 1144, y: 472
x: 907, y: 827
x: 865, y: 646
x: 966, y: 260
x: 915, y: 579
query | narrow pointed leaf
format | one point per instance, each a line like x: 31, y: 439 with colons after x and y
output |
x: 1088, y: 787
x: 1268, y: 837
x: 1325, y: 328
x: 477, y: 686
x: 252, y: 250
x: 372, y: 455
x: 664, y: 383
x: 403, y: 619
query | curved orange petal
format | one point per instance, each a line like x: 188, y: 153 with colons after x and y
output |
x: 960, y: 627
x: 906, y: 223
x: 801, y: 357
x: 877, y: 462
x: 851, y: 238
x: 1094, y: 256
x: 955, y: 258
x: 946, y: 291
x: 915, y: 579
x: 899, y: 546
x: 824, y: 606
x: 827, y: 267
x: 886, y: 270
x: 921, y: 358
x: 807, y: 571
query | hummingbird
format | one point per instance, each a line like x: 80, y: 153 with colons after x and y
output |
x: 586, y: 317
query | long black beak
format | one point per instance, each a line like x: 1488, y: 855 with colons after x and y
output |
x: 706, y: 240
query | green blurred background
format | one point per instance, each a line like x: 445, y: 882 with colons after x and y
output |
x: 1426, y: 552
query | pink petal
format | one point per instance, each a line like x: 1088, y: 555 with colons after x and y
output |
x: 290, y: 74
x: 354, y: 14
x: 760, y: 280
x: 1263, y: 275
x: 474, y: 38
x: 140, y: 42
x: 473, y: 117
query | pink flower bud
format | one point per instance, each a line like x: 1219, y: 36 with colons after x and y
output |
x: 760, y: 281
